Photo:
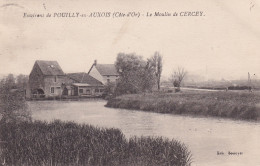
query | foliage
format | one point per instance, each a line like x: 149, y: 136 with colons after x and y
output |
x: 67, y: 143
x: 136, y: 74
x: 22, y: 81
x: 109, y: 90
x: 233, y: 105
x: 13, y: 106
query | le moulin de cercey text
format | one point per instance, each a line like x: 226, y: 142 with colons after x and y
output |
x: 115, y: 14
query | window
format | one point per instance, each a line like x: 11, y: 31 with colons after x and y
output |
x: 96, y: 90
x: 52, y: 89
x: 55, y: 79
x: 101, y: 90
x: 87, y: 91
x: 80, y: 90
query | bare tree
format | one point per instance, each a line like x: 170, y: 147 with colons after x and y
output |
x: 178, y: 76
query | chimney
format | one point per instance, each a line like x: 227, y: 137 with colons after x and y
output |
x: 95, y: 62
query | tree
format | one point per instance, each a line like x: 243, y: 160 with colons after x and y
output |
x: 109, y: 89
x: 178, y: 76
x: 22, y: 81
x: 156, y: 62
x: 9, y: 81
x: 13, y: 106
x: 136, y: 75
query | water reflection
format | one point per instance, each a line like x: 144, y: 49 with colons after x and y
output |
x: 204, y: 136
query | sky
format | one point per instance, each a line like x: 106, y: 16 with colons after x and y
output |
x: 223, y: 43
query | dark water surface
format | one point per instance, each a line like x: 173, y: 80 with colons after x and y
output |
x: 203, y: 136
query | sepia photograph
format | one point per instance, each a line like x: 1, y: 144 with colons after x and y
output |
x: 129, y: 83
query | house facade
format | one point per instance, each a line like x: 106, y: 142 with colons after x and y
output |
x: 82, y: 84
x: 46, y: 79
x: 105, y: 73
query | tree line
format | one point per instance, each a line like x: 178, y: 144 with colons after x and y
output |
x: 15, y: 82
x: 13, y: 106
x: 138, y: 75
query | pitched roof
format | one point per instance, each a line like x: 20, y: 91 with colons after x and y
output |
x: 50, y: 67
x: 84, y: 78
x: 106, y: 69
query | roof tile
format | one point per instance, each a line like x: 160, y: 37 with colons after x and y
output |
x: 50, y: 67
x: 84, y: 78
x: 107, y: 69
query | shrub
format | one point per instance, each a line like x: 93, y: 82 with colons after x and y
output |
x: 217, y: 104
x: 13, y: 106
x: 67, y: 143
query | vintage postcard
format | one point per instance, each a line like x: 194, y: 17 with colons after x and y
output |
x: 113, y: 82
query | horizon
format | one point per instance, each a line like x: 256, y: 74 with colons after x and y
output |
x: 189, y: 76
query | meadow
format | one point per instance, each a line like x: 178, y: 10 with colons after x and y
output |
x: 66, y: 143
x: 234, y: 105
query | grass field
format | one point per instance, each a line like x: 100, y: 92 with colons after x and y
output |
x: 235, y: 105
x: 66, y: 143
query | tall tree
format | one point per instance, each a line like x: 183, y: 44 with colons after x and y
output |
x: 135, y: 74
x: 21, y: 81
x: 156, y: 62
x: 9, y: 81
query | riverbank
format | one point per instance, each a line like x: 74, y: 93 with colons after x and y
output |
x: 234, y: 105
x: 203, y: 136
x: 65, y: 98
x: 68, y: 143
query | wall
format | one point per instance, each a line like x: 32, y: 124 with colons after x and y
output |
x: 94, y: 73
x: 36, y: 80
x: 91, y: 91
x: 49, y: 82
x: 111, y: 78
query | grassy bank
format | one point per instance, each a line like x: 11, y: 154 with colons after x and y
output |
x: 66, y: 143
x: 235, y: 105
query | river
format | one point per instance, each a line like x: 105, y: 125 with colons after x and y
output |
x: 205, y: 137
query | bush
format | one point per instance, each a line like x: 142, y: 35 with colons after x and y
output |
x: 217, y: 104
x: 67, y: 143
x: 13, y: 106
